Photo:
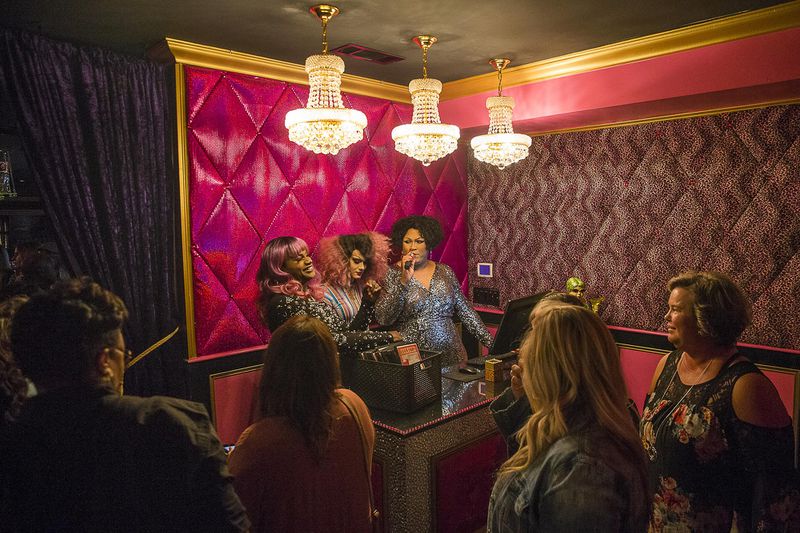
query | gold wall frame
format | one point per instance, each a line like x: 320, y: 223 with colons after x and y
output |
x: 665, y: 118
x: 200, y: 55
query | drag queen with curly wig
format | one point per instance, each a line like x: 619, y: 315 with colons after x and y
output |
x: 352, y: 267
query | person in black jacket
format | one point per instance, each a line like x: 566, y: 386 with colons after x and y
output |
x: 81, y: 456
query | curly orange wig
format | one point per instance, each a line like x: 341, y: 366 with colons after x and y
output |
x: 334, y: 257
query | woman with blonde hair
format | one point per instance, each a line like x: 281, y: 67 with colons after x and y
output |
x: 580, y: 465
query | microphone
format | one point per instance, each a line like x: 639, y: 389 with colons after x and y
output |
x: 407, y: 264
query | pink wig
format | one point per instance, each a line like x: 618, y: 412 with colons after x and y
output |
x: 271, y: 277
x: 334, y: 257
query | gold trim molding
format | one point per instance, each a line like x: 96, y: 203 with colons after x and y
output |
x: 185, y: 207
x: 750, y: 24
x: 200, y: 55
x: 664, y: 118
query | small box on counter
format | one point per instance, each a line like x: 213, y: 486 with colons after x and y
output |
x: 384, y: 381
x: 408, y: 354
x: 494, y: 370
x: 494, y: 388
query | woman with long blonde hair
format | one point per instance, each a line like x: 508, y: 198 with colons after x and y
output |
x: 580, y: 465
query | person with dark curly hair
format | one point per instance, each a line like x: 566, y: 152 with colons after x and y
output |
x: 719, y: 442
x: 14, y: 387
x: 290, y: 285
x: 81, y: 456
x: 352, y: 267
x: 421, y: 296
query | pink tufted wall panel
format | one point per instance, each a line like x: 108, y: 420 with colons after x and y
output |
x: 249, y: 183
x: 627, y: 208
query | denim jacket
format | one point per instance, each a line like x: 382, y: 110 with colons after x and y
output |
x: 583, y: 482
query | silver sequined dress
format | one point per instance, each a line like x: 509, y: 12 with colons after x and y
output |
x: 425, y: 316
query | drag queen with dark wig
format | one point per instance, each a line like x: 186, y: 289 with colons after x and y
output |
x: 421, y: 297
x: 289, y: 285
x: 352, y: 267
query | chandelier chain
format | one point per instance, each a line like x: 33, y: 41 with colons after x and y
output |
x: 500, y: 82
x: 501, y: 146
x: 325, y: 34
x: 426, y: 139
x: 325, y: 126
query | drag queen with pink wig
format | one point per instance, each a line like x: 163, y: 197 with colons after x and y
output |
x: 289, y: 285
x: 352, y: 267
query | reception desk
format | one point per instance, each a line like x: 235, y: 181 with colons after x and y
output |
x: 434, y: 469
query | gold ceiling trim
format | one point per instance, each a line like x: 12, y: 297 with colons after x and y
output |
x: 664, y: 118
x: 750, y: 24
x: 200, y: 55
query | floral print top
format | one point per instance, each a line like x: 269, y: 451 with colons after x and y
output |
x: 707, y: 467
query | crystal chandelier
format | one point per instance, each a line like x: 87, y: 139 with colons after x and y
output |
x: 325, y: 126
x: 426, y: 139
x: 501, y: 147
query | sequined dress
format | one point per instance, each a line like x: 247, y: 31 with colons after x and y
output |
x: 425, y: 316
x: 350, y: 339
x: 705, y: 463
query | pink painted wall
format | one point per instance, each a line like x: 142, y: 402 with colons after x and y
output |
x: 756, y: 69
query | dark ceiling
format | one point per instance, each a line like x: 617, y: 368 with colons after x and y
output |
x: 470, y: 32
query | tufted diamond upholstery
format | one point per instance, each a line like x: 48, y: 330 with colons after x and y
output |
x: 627, y: 208
x: 249, y: 183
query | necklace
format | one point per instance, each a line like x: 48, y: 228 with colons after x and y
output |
x: 671, y: 412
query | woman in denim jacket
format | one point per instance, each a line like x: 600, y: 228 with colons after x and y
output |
x: 580, y: 465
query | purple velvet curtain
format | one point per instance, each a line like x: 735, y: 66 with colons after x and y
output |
x: 97, y: 130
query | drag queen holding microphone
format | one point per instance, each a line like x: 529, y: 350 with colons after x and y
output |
x: 420, y: 296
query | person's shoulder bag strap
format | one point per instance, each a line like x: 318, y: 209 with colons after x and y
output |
x: 374, y: 515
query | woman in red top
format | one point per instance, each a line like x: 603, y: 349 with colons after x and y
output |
x: 301, y: 466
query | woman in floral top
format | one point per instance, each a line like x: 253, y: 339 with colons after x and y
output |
x: 718, y: 439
